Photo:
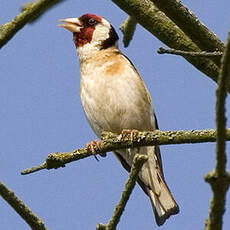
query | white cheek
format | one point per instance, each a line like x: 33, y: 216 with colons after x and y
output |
x: 100, y: 34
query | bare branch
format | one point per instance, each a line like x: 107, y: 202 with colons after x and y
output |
x: 111, y: 142
x: 30, y: 12
x: 190, y: 25
x: 128, y: 28
x: 27, y: 215
x: 137, y: 164
x: 156, y: 22
x: 219, y: 179
x: 162, y: 50
x: 221, y: 95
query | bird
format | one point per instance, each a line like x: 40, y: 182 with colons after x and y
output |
x: 114, y: 99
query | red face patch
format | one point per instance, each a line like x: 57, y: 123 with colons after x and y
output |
x: 88, y: 21
x: 83, y: 37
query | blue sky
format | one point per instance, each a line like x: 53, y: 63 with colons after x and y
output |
x: 40, y: 113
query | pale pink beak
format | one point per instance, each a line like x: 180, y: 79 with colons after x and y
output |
x: 71, y: 24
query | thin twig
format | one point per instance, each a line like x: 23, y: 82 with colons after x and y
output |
x: 137, y: 164
x: 30, y: 12
x: 35, y: 169
x: 183, y: 53
x: 219, y: 178
x: 127, y: 28
x: 111, y: 142
x: 28, y: 216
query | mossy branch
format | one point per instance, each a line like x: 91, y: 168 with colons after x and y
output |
x: 30, y: 12
x: 137, y: 164
x: 219, y: 178
x: 27, y: 215
x: 111, y: 142
x: 127, y: 28
x: 187, y: 21
x: 157, y: 23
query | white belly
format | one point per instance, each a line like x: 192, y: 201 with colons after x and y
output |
x: 113, y: 102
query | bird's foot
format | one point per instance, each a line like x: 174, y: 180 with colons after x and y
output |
x: 94, y: 147
x: 132, y: 132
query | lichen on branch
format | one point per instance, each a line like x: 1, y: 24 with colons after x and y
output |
x: 111, y: 142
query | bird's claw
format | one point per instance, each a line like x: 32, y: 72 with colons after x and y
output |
x: 132, y: 132
x: 94, y: 147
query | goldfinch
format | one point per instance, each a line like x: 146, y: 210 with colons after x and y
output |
x: 115, y: 98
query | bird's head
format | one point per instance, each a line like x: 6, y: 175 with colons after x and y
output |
x: 92, y: 31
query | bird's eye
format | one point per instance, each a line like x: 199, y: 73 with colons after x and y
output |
x: 92, y: 21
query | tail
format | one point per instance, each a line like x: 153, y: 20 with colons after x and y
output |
x: 151, y: 179
x: 162, y: 201
x: 163, y: 210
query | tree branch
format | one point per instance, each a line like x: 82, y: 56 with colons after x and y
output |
x: 219, y: 178
x: 128, y: 28
x: 111, y: 142
x: 137, y: 164
x: 157, y: 23
x: 162, y: 50
x: 190, y: 25
x: 30, y: 12
x: 27, y: 215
